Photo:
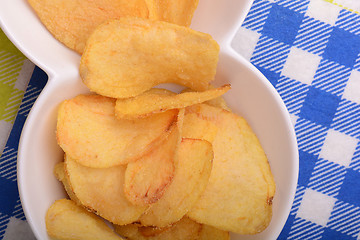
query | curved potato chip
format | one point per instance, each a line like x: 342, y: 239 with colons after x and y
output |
x: 239, y: 194
x: 62, y: 176
x: 215, y: 102
x: 210, y: 233
x: 147, y: 178
x: 154, y: 102
x: 218, y: 102
x: 193, y: 168
x: 72, y: 22
x: 102, y: 190
x: 199, y: 128
x: 65, y: 220
x: 126, y: 57
x: 89, y: 132
x: 184, y: 229
x: 179, y: 12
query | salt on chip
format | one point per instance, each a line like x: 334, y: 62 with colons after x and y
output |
x: 154, y: 101
x: 65, y: 220
x: 101, y: 190
x: 193, y: 168
x: 72, y: 22
x: 89, y: 132
x: 126, y: 57
x: 239, y: 194
x: 179, y: 12
x: 147, y: 178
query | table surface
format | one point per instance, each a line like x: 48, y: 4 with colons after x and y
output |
x: 310, y: 51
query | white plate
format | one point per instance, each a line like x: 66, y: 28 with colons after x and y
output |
x: 252, y: 96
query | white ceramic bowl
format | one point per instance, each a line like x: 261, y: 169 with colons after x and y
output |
x: 252, y: 96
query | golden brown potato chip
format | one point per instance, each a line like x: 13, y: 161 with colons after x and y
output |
x: 239, y: 194
x: 147, y: 178
x: 89, y: 132
x: 199, y: 128
x: 72, y: 22
x: 154, y: 101
x: 62, y: 176
x: 210, y: 233
x: 65, y: 220
x: 193, y: 168
x: 185, y: 229
x: 215, y: 102
x: 218, y: 102
x: 101, y: 190
x: 179, y: 12
x: 126, y: 57
x: 59, y: 171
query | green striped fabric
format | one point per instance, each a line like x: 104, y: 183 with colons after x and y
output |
x: 15, y: 73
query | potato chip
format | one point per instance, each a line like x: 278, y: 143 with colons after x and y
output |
x: 126, y: 57
x: 179, y: 12
x: 210, y: 233
x: 215, y: 102
x: 62, y: 176
x: 72, y: 22
x: 199, y: 128
x: 89, y: 132
x: 239, y: 194
x: 65, y: 220
x: 59, y: 171
x: 101, y: 190
x: 147, y: 178
x: 185, y: 229
x: 154, y: 101
x: 193, y: 168
x: 218, y: 102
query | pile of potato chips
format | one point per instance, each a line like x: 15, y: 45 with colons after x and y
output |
x: 143, y: 162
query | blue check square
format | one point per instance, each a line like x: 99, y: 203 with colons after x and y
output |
x: 282, y: 24
x: 306, y: 167
x: 350, y: 188
x: 319, y: 107
x: 343, y: 47
x: 8, y: 195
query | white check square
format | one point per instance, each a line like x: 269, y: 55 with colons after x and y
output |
x: 301, y: 65
x: 316, y: 207
x: 338, y: 148
x: 352, y: 89
x: 323, y: 11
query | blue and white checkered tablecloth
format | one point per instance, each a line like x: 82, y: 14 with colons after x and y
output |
x: 310, y: 51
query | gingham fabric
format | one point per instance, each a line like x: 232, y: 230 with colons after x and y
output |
x: 15, y: 72
x: 20, y: 84
x: 310, y: 51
